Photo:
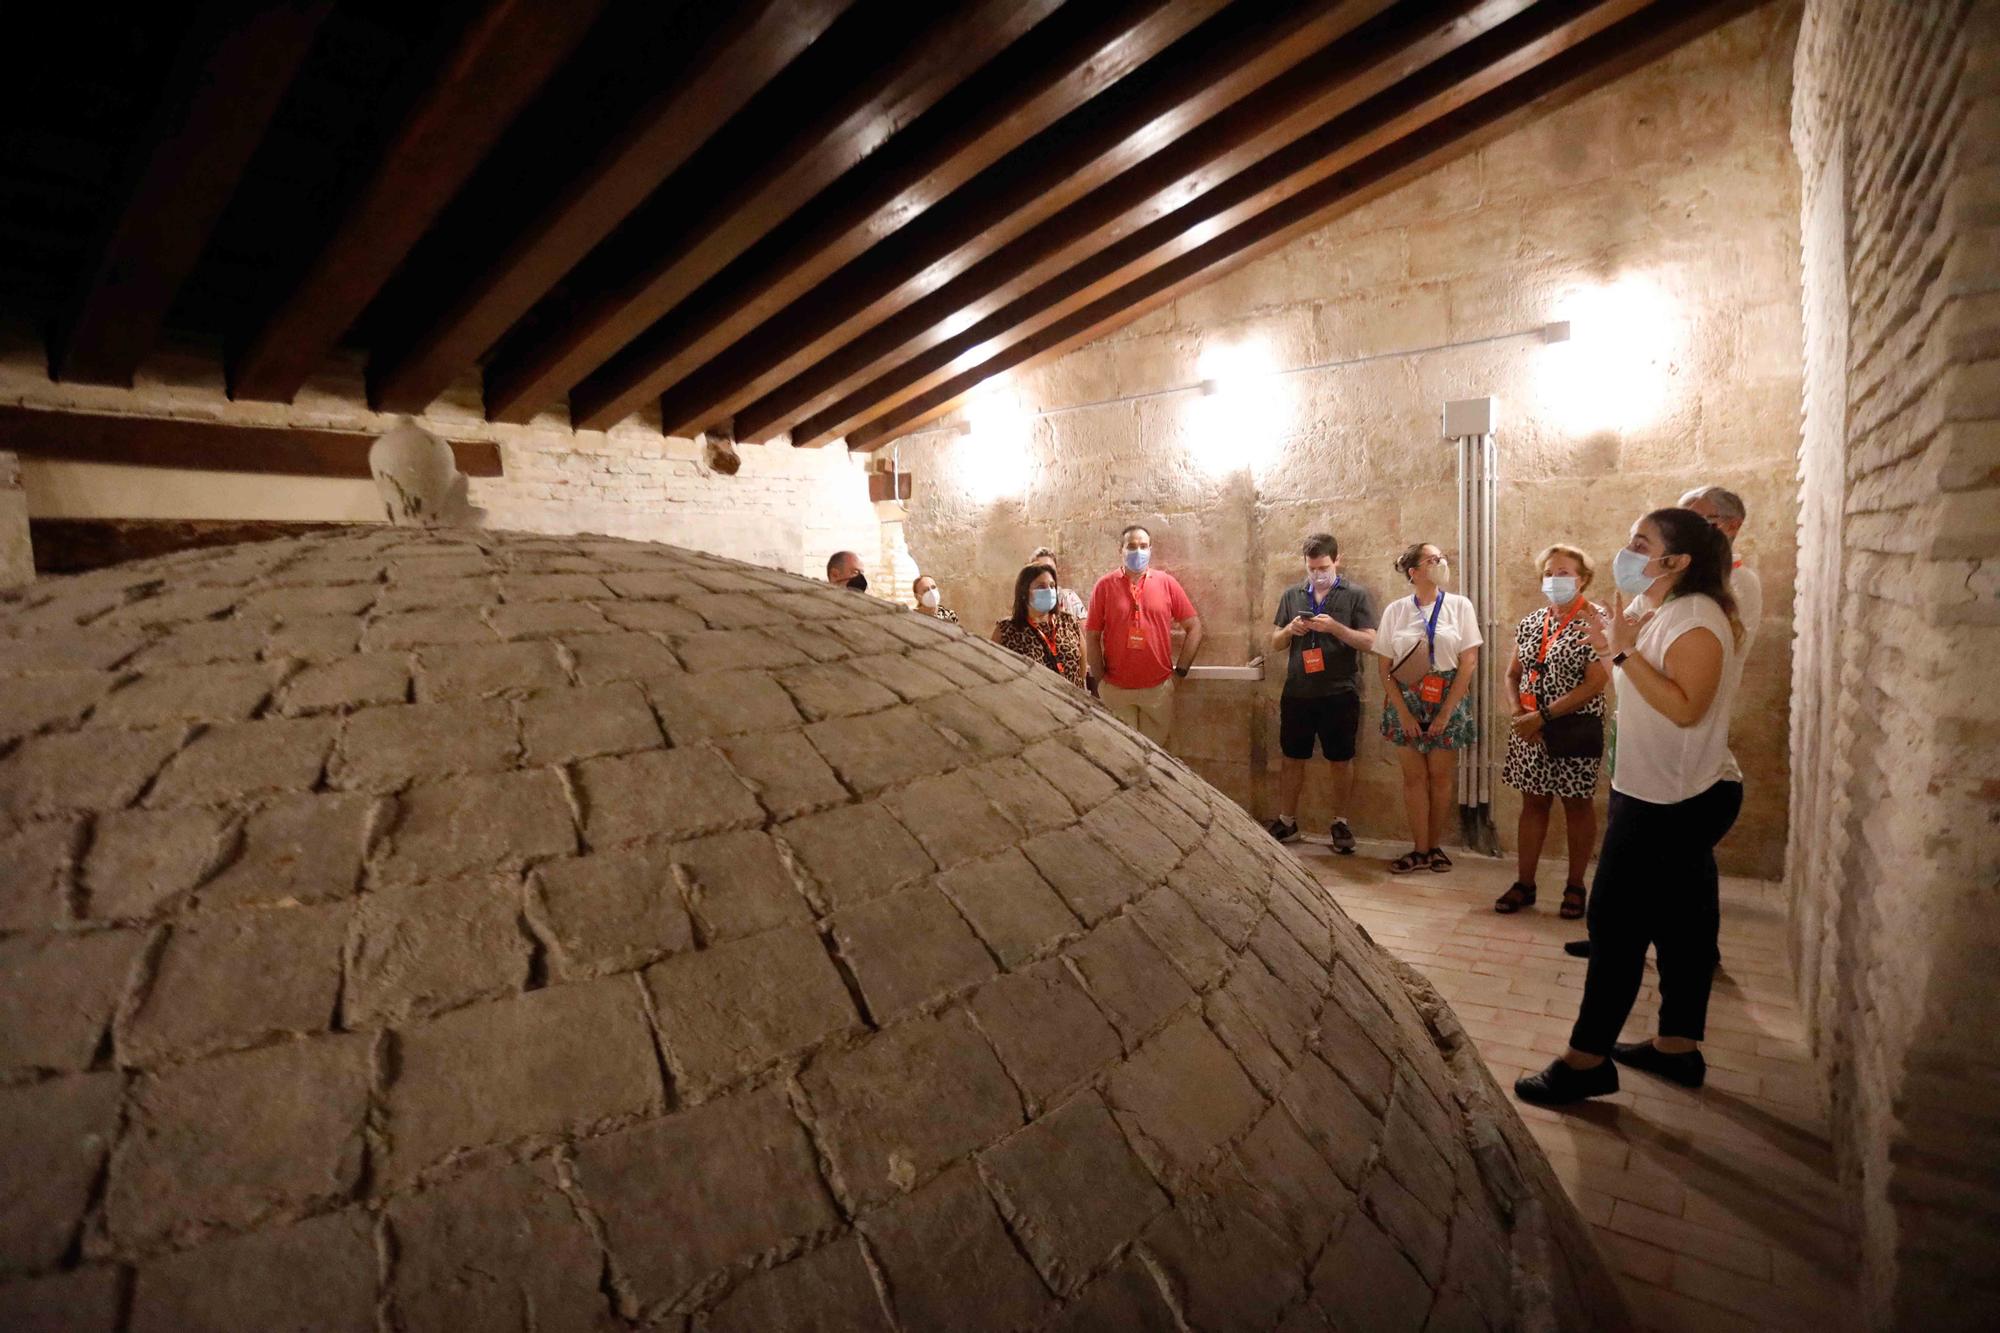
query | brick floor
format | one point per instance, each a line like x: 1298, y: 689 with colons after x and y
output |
x: 1718, y: 1209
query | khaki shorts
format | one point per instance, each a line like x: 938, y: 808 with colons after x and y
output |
x: 1150, y: 711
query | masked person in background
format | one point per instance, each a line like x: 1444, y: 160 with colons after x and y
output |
x: 1556, y: 740
x: 1066, y: 597
x: 1429, y: 645
x: 1672, y: 801
x: 1326, y: 624
x: 1040, y: 630
x: 844, y: 568
x: 1129, y: 638
x: 929, y: 599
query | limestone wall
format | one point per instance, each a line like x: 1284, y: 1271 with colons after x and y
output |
x: 1659, y: 214
x: 1893, y: 862
x: 787, y: 508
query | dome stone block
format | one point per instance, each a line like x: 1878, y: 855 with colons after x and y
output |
x: 430, y: 927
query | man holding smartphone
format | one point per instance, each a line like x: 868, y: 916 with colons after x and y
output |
x: 1328, y: 625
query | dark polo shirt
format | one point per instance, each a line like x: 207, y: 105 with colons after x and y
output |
x: 1352, y: 607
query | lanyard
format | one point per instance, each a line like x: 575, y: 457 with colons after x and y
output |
x: 1548, y: 620
x: 1136, y: 588
x: 1049, y: 642
x: 1318, y: 605
x: 1431, y: 629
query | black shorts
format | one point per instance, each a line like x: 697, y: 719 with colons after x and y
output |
x: 1333, y: 718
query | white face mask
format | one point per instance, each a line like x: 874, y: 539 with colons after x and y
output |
x: 931, y: 598
x: 1320, y: 578
x: 1441, y: 575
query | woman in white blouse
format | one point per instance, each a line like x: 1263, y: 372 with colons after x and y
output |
x: 1674, y: 794
x: 1429, y: 645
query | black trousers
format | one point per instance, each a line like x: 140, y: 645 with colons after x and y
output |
x: 1656, y: 885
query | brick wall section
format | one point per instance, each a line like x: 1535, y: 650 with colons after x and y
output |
x: 1679, y: 175
x: 1892, y: 860
x: 386, y: 911
x: 787, y: 508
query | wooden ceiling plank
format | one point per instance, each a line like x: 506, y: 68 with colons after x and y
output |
x: 1360, y: 65
x: 231, y: 73
x: 919, y: 65
x: 1207, y: 71
x: 208, y: 446
x: 757, y: 40
x: 494, y: 68
x: 1069, y: 59
x: 1563, y: 77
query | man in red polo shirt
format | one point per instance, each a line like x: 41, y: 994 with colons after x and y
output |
x: 1129, y: 638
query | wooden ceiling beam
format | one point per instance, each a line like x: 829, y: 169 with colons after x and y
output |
x: 488, y: 74
x: 888, y: 69
x: 1360, y: 65
x: 1574, y: 71
x: 1084, y: 57
x: 1212, y: 67
x: 230, y: 75
x: 208, y: 446
x: 753, y: 44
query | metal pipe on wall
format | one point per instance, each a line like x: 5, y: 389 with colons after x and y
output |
x: 1469, y: 424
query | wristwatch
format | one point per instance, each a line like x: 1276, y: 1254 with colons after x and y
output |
x: 1618, y: 659
x: 1181, y: 672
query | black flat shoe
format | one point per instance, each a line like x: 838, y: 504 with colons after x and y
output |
x: 1559, y: 1085
x: 1282, y: 831
x: 1577, y: 948
x: 1687, y: 1068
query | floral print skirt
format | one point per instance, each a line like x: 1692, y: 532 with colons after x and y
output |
x: 1459, y: 730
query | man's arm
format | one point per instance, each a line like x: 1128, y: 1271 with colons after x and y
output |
x: 1190, y: 645
x: 1093, y: 653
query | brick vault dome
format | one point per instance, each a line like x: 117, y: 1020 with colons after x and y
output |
x: 484, y: 931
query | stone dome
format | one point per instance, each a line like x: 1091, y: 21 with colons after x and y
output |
x: 472, y: 930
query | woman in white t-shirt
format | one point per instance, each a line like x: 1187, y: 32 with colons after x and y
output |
x: 1429, y: 645
x: 1674, y: 795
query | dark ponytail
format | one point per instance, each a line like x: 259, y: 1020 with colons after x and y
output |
x: 1707, y: 549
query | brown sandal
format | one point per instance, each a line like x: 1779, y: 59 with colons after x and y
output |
x: 1572, y: 903
x: 1518, y: 895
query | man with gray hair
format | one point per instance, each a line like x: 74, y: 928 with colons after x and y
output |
x: 1725, y: 513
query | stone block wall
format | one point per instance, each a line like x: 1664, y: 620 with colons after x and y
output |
x: 1894, y: 860
x: 1659, y: 213
x: 787, y: 508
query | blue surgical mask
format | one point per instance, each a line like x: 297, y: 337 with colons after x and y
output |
x: 1628, y: 571
x: 1136, y: 561
x: 1560, y: 589
x: 1042, y: 599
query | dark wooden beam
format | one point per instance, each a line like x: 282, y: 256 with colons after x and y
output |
x: 232, y: 71
x: 208, y: 446
x: 1240, y: 50
x: 755, y: 41
x: 1360, y: 65
x: 1467, y: 72
x: 1569, y: 73
x: 1067, y: 60
x: 888, y: 69
x: 503, y: 56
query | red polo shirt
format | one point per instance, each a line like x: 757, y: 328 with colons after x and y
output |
x: 1157, y: 602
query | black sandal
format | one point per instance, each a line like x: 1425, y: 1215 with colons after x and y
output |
x: 1439, y: 861
x: 1572, y: 904
x: 1408, y: 861
x: 1518, y: 895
